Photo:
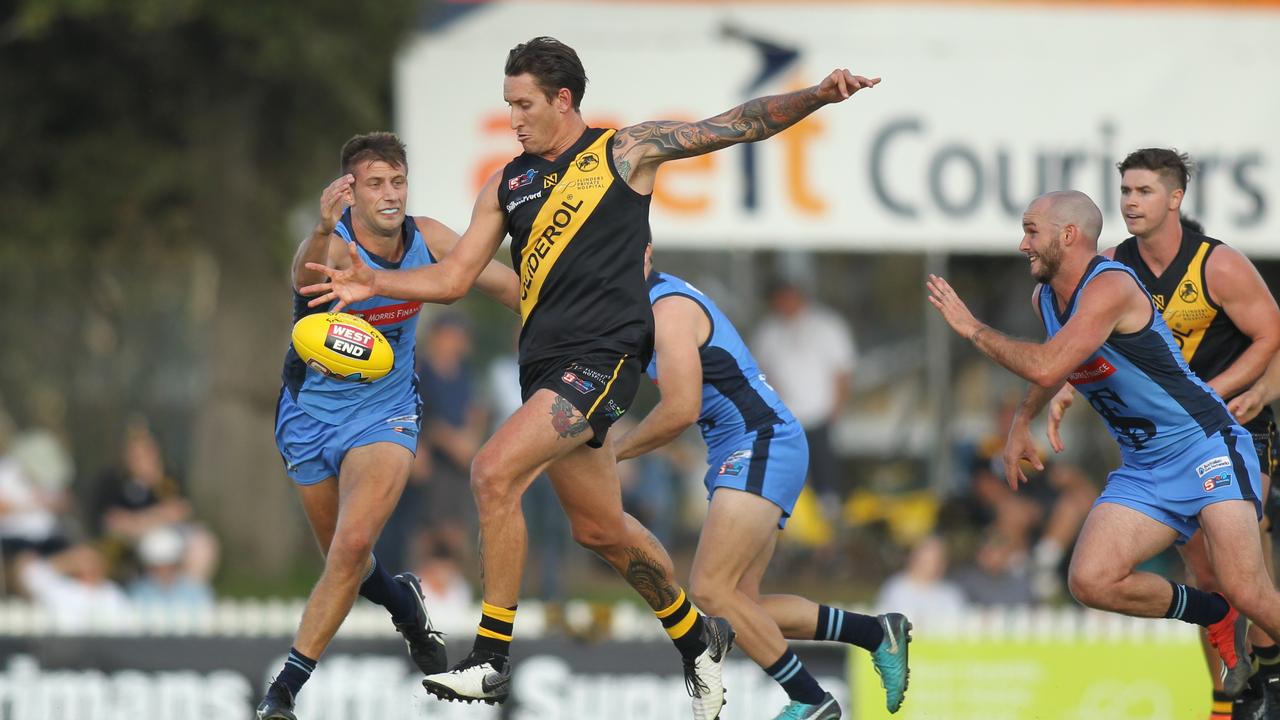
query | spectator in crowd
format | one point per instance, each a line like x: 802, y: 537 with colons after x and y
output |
x: 35, y: 473
x: 72, y: 586
x: 166, y: 581
x: 453, y: 428
x: 1000, y: 573
x: 141, y: 496
x: 921, y: 590
x: 808, y: 354
x: 444, y: 585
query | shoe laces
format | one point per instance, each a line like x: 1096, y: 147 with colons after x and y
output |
x: 475, y: 659
x: 694, y: 685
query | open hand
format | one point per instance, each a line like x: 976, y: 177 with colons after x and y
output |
x: 841, y: 84
x: 1017, y: 448
x: 953, y: 309
x: 345, y: 286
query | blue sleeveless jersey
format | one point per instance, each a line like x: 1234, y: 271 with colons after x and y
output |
x: 1139, y: 382
x: 735, y: 397
x: 336, y: 401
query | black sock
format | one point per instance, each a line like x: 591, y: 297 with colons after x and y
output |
x: 683, y: 624
x: 297, y: 670
x: 849, y: 627
x: 496, y: 630
x: 381, y: 588
x: 1267, y: 654
x: 794, y: 677
x: 1197, y: 607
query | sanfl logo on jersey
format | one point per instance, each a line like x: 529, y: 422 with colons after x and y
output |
x: 520, y: 181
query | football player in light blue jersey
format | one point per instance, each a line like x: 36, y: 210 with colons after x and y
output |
x: 758, y: 458
x: 1186, y: 463
x: 349, y: 446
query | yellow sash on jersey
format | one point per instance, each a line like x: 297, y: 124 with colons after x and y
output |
x: 567, y: 207
x: 1187, y: 311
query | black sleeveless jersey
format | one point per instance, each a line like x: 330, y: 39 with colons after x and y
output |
x: 1209, y: 341
x: 578, y: 235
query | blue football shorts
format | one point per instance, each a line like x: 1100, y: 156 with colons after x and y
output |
x: 1220, y: 467
x: 771, y: 462
x: 313, y: 450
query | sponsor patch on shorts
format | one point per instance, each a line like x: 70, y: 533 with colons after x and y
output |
x: 734, y: 464
x: 1216, y: 481
x: 1209, y: 466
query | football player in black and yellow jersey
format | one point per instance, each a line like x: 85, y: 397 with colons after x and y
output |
x: 576, y: 205
x: 1227, y: 325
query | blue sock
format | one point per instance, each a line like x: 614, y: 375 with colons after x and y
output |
x: 1196, y: 606
x: 794, y: 678
x: 853, y: 628
x: 381, y: 588
x: 297, y: 670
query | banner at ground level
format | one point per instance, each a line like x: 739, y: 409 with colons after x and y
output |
x: 982, y: 108
x: 221, y: 679
x: 1138, y: 678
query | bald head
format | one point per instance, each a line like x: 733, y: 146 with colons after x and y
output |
x: 1071, y: 207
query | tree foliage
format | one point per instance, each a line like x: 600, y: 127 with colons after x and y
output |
x: 154, y: 151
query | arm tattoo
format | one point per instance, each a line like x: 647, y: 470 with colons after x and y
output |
x: 624, y: 169
x: 565, y: 418
x: 751, y: 121
x: 646, y: 576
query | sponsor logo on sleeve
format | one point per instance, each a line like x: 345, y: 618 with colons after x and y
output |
x: 1092, y: 372
x: 520, y: 181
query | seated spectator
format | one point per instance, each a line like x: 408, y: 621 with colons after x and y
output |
x: 921, y: 591
x: 34, y: 475
x: 165, y: 580
x: 72, y: 586
x: 999, y: 575
x: 143, y: 496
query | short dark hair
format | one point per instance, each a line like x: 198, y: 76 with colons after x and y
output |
x: 1173, y: 167
x: 553, y: 64
x: 384, y: 146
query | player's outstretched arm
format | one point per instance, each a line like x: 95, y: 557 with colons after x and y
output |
x: 496, y: 280
x: 442, y: 282
x: 640, y: 149
x: 1235, y: 285
x: 1265, y: 391
x: 679, y: 322
x: 1107, y: 301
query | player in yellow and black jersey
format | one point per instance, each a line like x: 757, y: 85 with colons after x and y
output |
x: 576, y: 206
x: 1227, y: 325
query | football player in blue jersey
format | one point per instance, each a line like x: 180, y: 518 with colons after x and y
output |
x: 349, y: 446
x: 1187, y: 464
x: 758, y: 458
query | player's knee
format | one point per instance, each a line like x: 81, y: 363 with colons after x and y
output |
x: 1249, y: 595
x: 710, y: 596
x: 1087, y: 588
x: 349, y: 551
x: 489, y: 483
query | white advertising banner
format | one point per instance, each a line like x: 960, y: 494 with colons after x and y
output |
x: 981, y: 109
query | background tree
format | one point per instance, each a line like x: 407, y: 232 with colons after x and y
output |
x: 154, y: 153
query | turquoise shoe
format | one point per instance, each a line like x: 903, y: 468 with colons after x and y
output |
x: 828, y: 709
x: 890, y: 659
